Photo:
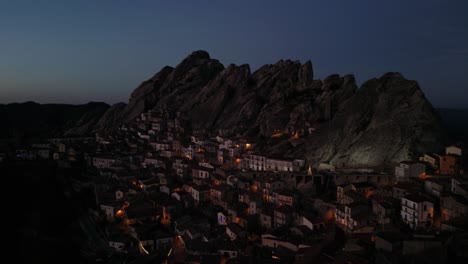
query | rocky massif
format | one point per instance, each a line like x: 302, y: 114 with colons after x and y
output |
x: 386, y: 120
x: 272, y: 98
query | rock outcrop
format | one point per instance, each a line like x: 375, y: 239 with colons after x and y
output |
x: 173, y: 87
x: 387, y: 120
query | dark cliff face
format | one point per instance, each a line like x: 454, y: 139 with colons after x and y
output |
x: 173, y: 87
x: 387, y: 120
x: 227, y: 100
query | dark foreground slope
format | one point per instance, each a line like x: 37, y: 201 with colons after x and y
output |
x: 52, y: 218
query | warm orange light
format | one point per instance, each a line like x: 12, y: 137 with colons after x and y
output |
x: 119, y: 213
x: 276, y: 135
x: 238, y: 160
x: 134, y: 182
x: 238, y: 220
x: 329, y: 215
x: 247, y: 145
x: 253, y: 188
x: 188, y: 156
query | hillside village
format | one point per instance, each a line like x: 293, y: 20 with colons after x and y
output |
x: 166, y: 192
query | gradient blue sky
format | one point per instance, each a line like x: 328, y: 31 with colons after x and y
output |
x: 98, y: 50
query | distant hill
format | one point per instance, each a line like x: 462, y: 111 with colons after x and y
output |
x: 26, y: 121
x: 455, y: 123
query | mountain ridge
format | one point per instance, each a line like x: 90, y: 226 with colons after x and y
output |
x: 346, y: 120
x: 285, y: 97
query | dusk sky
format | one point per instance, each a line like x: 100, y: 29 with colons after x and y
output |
x: 96, y: 50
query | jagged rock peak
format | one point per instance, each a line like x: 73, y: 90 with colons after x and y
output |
x: 164, y: 71
x: 287, y: 62
x: 306, y: 71
x: 349, y: 78
x: 233, y: 67
x: 392, y: 82
x: 199, y: 54
x: 335, y: 81
x: 392, y: 75
x: 196, y: 59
